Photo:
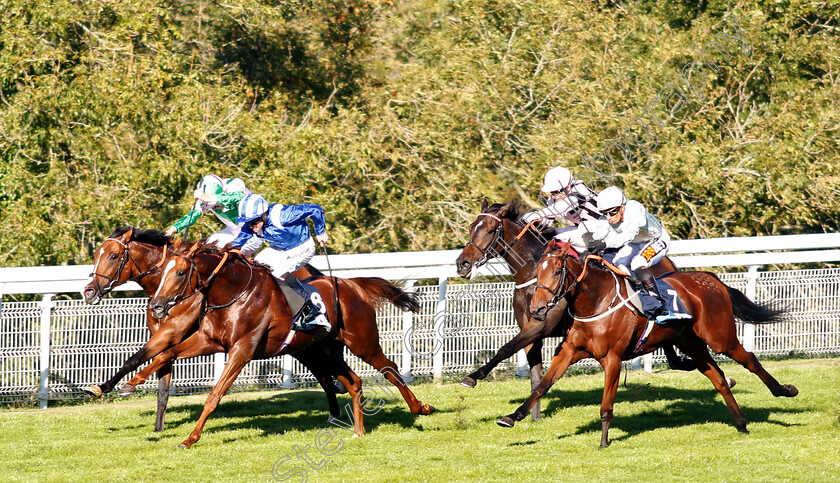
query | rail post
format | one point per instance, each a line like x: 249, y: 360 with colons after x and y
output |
x: 749, y: 329
x: 218, y: 366
x: 437, y: 337
x: 408, y: 322
x: 46, y: 315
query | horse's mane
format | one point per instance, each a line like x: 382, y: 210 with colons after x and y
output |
x: 149, y: 236
x: 514, y: 213
x: 214, y: 250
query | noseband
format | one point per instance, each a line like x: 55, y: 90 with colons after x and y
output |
x: 498, y: 234
x: 113, y: 280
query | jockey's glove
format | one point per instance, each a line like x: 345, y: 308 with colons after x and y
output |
x: 596, y: 246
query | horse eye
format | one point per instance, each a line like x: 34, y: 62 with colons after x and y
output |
x: 181, y: 273
x: 113, y: 256
x: 557, y: 271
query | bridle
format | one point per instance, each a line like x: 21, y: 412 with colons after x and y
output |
x: 200, y: 284
x: 558, y: 293
x: 486, y: 252
x: 113, y: 281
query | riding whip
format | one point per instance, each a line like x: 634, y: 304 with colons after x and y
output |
x: 335, y: 284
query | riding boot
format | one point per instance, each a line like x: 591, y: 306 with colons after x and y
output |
x: 649, y: 284
x: 306, y: 304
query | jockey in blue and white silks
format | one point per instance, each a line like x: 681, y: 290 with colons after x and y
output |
x: 570, y: 199
x: 290, y: 245
x: 639, y: 237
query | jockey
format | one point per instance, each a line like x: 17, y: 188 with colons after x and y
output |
x: 221, y: 196
x: 641, y: 241
x: 568, y: 198
x: 291, y: 247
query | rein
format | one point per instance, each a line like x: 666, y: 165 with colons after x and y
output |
x: 204, y: 284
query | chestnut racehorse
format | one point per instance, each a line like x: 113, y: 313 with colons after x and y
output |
x: 136, y: 255
x: 609, y: 332
x: 498, y: 232
x: 249, y: 319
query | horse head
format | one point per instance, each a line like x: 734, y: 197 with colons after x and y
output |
x: 486, y: 238
x: 180, y: 280
x: 555, y: 278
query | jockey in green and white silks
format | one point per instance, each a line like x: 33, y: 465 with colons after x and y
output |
x: 570, y: 199
x: 220, y: 196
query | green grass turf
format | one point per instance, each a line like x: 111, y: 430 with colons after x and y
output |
x: 670, y: 426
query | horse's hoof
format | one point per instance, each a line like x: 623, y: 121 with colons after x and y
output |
x: 427, y: 409
x: 506, y: 422
x: 792, y: 390
x: 468, y: 382
x: 127, y: 390
x: 183, y: 446
x: 731, y: 382
x: 93, y: 391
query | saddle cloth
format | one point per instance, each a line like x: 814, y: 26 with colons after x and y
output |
x: 643, y: 300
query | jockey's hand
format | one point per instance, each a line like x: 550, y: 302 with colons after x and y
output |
x: 531, y: 216
x: 596, y: 246
x: 170, y: 231
x: 322, y: 239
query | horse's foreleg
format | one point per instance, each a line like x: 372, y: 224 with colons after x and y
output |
x: 748, y: 360
x: 193, y: 346
x: 238, y: 357
x: 612, y: 371
x: 527, y: 336
x: 565, y: 356
x: 164, y: 379
x: 534, y: 354
x: 168, y: 335
x: 697, y: 349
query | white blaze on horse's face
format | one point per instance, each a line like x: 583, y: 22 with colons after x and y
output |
x: 97, y: 258
x: 545, y: 265
x: 169, y: 266
x: 479, y: 225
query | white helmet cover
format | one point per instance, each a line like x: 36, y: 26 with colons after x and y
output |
x: 610, y: 198
x: 557, y: 179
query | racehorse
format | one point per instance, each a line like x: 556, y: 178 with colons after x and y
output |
x: 498, y: 232
x: 130, y: 254
x: 610, y: 332
x: 249, y: 319
x: 137, y: 255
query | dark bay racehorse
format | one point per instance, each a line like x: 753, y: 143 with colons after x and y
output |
x: 609, y: 334
x: 250, y: 320
x: 498, y: 232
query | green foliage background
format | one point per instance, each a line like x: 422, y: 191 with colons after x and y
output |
x: 399, y: 118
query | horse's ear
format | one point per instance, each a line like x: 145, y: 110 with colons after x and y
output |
x: 550, y: 245
x: 126, y: 237
x: 484, y: 205
x: 565, y: 249
x: 504, y: 210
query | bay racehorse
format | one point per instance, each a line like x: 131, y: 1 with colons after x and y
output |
x: 499, y: 232
x: 136, y: 255
x: 249, y: 319
x: 609, y: 331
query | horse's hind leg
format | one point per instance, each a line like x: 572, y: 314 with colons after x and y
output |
x: 315, y: 362
x: 748, y: 360
x: 565, y: 356
x: 353, y: 383
x: 697, y: 350
x: 376, y: 358
x: 534, y: 355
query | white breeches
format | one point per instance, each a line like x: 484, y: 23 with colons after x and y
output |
x: 285, y: 261
x: 222, y: 237
x: 642, y: 255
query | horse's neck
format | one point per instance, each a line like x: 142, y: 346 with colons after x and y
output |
x: 147, y: 256
x: 595, y: 291
x: 522, y: 254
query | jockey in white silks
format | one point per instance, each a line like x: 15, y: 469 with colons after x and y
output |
x: 639, y: 237
x: 571, y: 200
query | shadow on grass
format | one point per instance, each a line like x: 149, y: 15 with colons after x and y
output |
x: 687, y: 407
x: 277, y: 414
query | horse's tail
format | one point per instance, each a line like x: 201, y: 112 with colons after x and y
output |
x: 747, y: 310
x: 379, y: 290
